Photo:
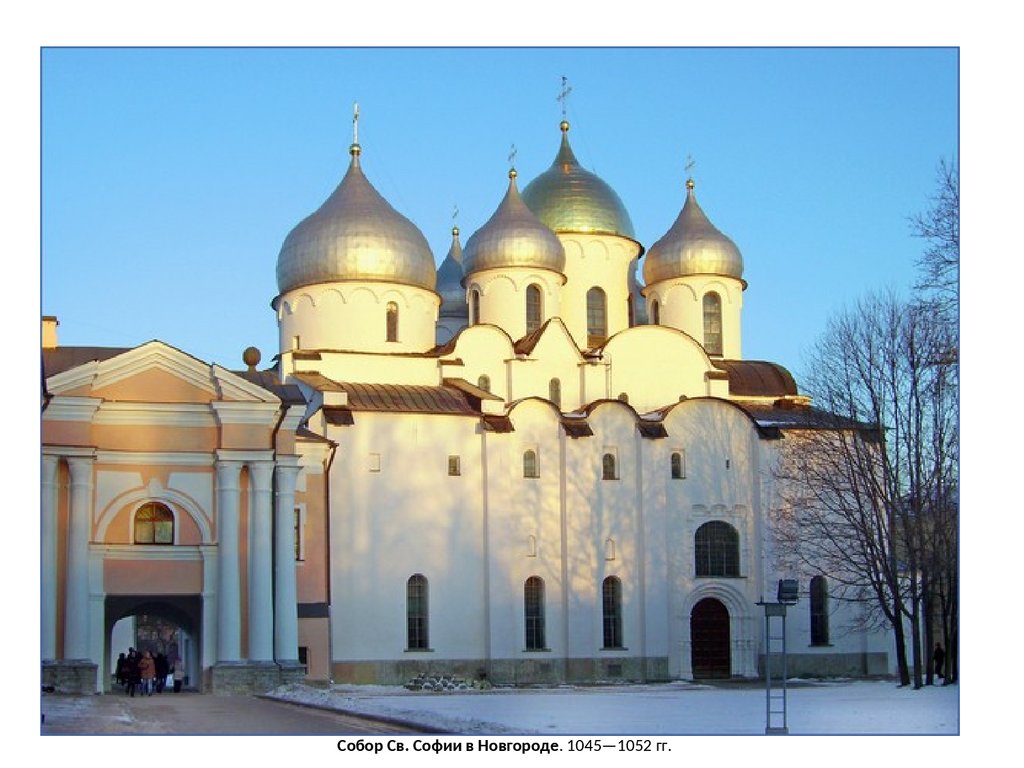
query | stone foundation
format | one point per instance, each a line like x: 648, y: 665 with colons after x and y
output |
x: 252, y: 677
x: 539, y: 669
x: 73, y: 676
x: 829, y: 664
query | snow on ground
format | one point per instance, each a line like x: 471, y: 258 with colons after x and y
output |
x: 814, y: 707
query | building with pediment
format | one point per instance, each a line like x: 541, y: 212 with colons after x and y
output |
x: 525, y: 465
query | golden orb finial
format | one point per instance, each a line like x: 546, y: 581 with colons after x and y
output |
x: 251, y: 357
x: 689, y: 184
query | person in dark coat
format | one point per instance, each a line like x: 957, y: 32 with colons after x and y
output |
x: 119, y: 671
x: 132, y: 674
x: 161, y: 672
x: 939, y: 660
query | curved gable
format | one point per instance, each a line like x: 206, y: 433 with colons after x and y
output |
x: 655, y: 366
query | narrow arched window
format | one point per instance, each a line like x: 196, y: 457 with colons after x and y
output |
x: 530, y: 468
x: 611, y: 602
x: 416, y: 611
x: 608, y: 468
x: 597, y: 318
x: 555, y: 392
x: 154, y: 524
x: 533, y: 610
x: 484, y: 382
x: 392, y: 321
x: 717, y: 550
x: 655, y: 313
x: 474, y: 307
x: 631, y: 311
x: 678, y: 470
x: 534, y: 308
x: 712, y: 324
x: 819, y: 611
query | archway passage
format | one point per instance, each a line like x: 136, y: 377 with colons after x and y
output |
x: 709, y: 639
x: 166, y: 624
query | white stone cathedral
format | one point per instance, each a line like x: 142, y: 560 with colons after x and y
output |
x: 523, y: 466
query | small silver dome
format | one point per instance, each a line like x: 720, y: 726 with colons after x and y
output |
x: 449, y: 281
x: 693, y: 246
x: 355, y: 235
x: 569, y: 198
x: 513, y: 237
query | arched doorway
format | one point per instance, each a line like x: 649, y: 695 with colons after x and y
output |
x: 709, y: 639
x: 168, y: 624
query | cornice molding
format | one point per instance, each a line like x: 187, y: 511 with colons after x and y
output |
x: 246, y: 412
x: 183, y: 459
x: 71, y: 408
x: 155, y: 415
x: 180, y: 552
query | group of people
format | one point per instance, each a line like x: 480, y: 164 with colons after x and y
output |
x: 147, y: 673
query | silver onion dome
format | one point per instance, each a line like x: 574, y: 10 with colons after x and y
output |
x: 513, y: 237
x: 355, y: 235
x: 692, y: 246
x: 449, y: 281
x: 569, y: 198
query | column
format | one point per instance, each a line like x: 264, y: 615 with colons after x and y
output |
x: 76, y: 615
x: 229, y: 609
x: 48, y: 559
x: 261, y: 577
x: 286, y: 621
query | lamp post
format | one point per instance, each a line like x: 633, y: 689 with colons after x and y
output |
x: 787, y: 595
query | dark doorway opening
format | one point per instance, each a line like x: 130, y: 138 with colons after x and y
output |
x: 166, y: 624
x: 709, y: 639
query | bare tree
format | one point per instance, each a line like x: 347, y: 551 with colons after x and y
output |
x: 858, y: 491
x: 939, y: 226
x: 938, y: 288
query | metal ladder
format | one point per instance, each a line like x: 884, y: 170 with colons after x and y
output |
x: 775, y: 698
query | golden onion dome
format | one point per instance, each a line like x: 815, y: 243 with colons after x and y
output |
x: 449, y: 281
x: 355, y: 235
x: 693, y: 246
x: 513, y: 237
x: 569, y: 198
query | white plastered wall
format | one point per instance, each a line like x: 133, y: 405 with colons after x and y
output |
x: 681, y: 305
x: 602, y: 261
x: 352, y: 315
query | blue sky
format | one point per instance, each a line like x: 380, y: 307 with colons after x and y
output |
x: 171, y: 176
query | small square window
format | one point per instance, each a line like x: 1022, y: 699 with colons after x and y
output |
x: 454, y: 466
x: 374, y: 462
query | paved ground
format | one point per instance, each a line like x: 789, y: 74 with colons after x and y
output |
x: 194, y: 714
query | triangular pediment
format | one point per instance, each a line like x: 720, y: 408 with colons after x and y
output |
x: 159, y: 373
x: 552, y: 341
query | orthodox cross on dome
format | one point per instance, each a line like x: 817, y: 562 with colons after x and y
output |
x: 563, y: 95
x: 455, y: 213
x: 689, y: 168
x: 512, y: 157
x: 355, y: 123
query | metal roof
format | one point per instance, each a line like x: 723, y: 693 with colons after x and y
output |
x: 757, y: 378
